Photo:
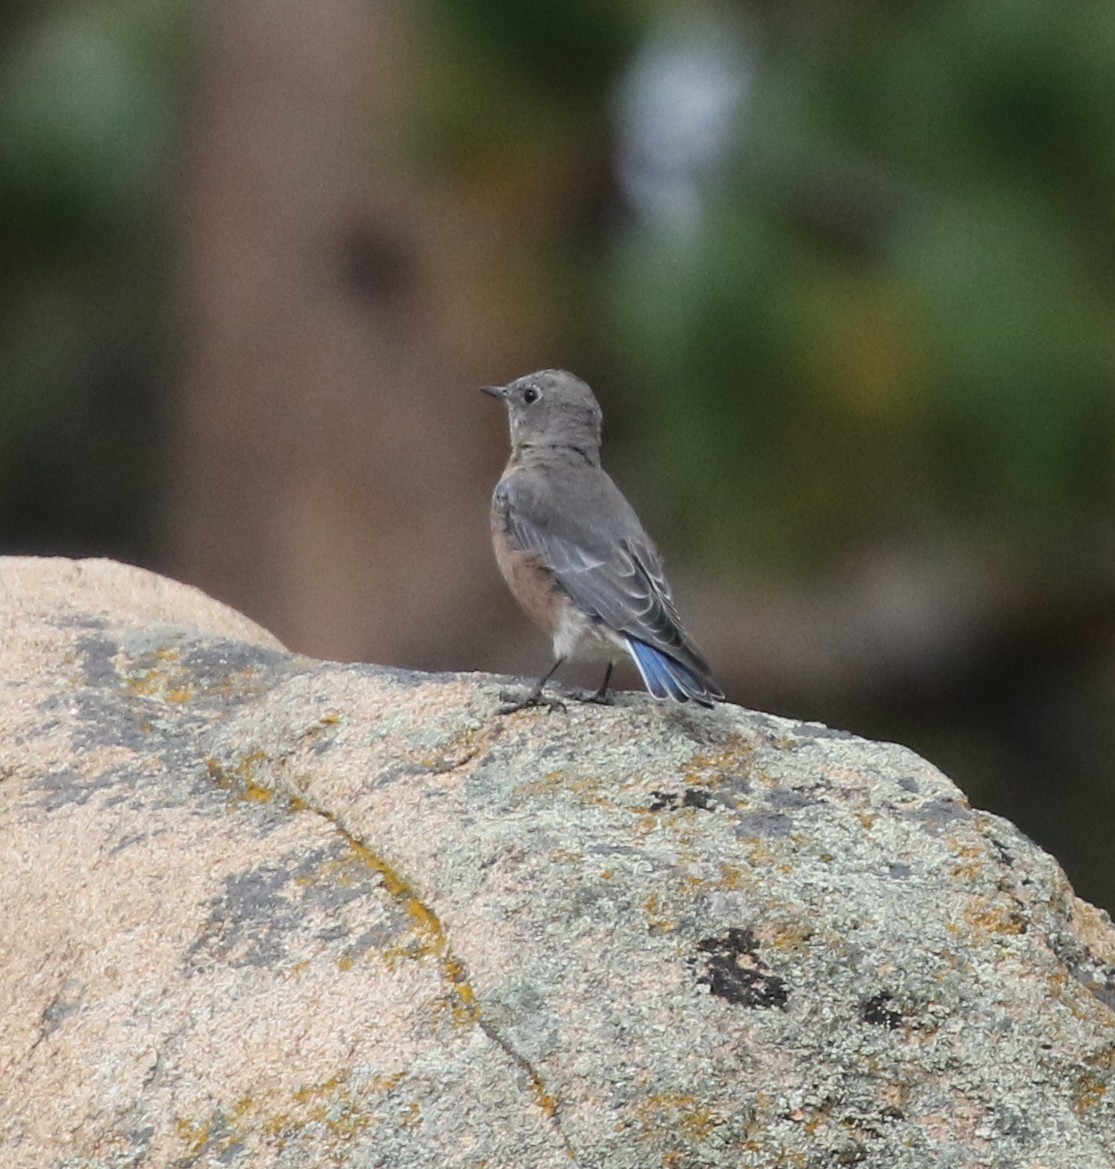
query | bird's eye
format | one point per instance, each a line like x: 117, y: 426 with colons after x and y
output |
x: 530, y: 394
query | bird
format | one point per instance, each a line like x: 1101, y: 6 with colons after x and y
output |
x: 573, y: 552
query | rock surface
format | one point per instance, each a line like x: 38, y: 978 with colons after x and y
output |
x: 266, y: 911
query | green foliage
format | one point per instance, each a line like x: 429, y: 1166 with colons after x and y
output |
x: 512, y: 89
x: 87, y: 106
x: 896, y: 312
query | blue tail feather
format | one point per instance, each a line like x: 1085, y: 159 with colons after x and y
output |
x: 655, y: 677
x: 666, y: 678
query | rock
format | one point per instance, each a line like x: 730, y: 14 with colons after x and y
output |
x: 267, y: 911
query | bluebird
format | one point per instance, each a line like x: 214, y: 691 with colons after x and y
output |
x: 573, y: 551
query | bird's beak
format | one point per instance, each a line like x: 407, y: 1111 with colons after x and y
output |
x: 495, y: 391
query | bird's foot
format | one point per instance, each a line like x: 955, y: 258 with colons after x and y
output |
x: 534, y: 698
x: 596, y: 697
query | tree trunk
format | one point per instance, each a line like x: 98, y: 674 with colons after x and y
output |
x: 332, y: 459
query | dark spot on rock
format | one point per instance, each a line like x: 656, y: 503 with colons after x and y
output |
x: 940, y: 813
x: 65, y: 1003
x: 1090, y: 971
x: 877, y: 1011
x: 1017, y: 1123
x: 227, y: 673
x: 108, y: 718
x: 97, y: 655
x: 65, y: 786
x: 1004, y: 853
x: 733, y: 970
x: 791, y: 798
x: 764, y: 824
x: 598, y: 849
x: 908, y: 784
x: 692, y: 797
x: 820, y: 731
x: 249, y: 923
x: 140, y: 1140
x: 899, y: 871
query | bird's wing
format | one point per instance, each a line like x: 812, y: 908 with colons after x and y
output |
x: 600, y: 555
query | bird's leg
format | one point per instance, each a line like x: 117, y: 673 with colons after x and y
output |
x: 600, y: 697
x: 535, y: 698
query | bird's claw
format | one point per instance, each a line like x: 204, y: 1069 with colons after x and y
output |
x: 596, y: 697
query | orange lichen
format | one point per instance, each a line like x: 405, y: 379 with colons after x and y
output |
x: 992, y: 918
x: 658, y: 921
x: 432, y: 939
x: 689, y: 1118
x: 1088, y: 1092
x: 241, y: 780
x: 715, y: 769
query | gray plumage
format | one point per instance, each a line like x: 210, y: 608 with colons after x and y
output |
x: 572, y: 548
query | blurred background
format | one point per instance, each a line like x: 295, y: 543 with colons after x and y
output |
x: 842, y: 275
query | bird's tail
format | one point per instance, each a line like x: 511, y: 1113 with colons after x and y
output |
x: 665, y: 677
